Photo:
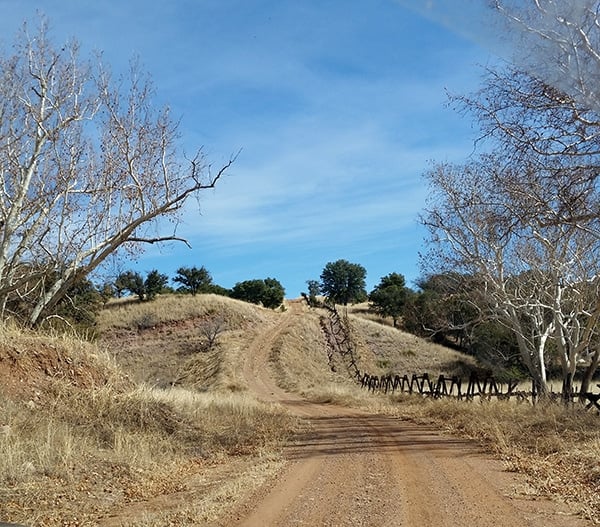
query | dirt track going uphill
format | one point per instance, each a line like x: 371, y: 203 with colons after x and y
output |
x: 358, y: 469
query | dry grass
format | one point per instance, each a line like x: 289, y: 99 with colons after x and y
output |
x: 103, y: 450
x: 384, y: 350
x: 168, y: 309
x: 140, y: 417
x: 302, y: 362
x: 79, y: 441
x: 162, y: 343
x: 300, y: 358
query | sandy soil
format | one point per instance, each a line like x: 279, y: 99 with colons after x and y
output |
x: 357, y: 469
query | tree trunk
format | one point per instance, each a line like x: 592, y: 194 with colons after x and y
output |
x: 567, y: 388
x: 540, y: 386
x: 588, y: 374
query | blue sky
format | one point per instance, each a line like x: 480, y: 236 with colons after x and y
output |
x: 337, y: 106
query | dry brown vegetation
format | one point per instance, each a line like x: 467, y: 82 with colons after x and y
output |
x: 99, y: 434
x: 83, y: 438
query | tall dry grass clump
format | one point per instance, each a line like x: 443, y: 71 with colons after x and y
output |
x: 234, y: 422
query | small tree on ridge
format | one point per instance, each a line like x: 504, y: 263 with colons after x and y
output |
x: 389, y: 296
x: 343, y: 282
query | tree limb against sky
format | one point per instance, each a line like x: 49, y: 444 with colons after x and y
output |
x: 554, y: 40
x: 88, y: 166
x: 524, y: 217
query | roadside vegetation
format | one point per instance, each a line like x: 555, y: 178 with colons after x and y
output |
x: 88, y: 437
x: 81, y: 440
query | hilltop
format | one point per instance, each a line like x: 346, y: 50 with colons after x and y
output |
x: 162, y: 343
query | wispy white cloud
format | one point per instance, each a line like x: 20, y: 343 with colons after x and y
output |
x: 352, y: 185
x: 337, y: 108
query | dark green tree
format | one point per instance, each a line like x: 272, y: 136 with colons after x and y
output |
x: 268, y: 292
x: 81, y: 304
x: 389, y: 296
x: 131, y: 281
x: 248, y: 291
x: 107, y: 292
x: 314, y: 289
x: 154, y: 284
x: 343, y: 282
x: 495, y: 347
x: 444, y: 309
x: 216, y: 289
x: 121, y: 283
x: 193, y: 280
x: 144, y: 289
x: 274, y: 293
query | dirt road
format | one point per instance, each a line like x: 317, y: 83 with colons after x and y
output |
x: 356, y: 469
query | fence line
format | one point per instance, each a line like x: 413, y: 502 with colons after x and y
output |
x: 446, y: 386
x: 339, y: 341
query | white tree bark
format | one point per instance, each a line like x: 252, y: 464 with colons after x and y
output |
x: 87, y: 166
x: 540, y: 280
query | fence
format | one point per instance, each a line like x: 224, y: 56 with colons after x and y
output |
x: 340, y: 343
x: 425, y: 384
x: 485, y: 388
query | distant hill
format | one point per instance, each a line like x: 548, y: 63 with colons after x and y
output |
x: 163, y: 343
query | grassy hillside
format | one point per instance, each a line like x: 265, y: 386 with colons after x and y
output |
x: 164, y: 343
x: 87, y: 430
x: 303, y: 365
x: 99, y: 433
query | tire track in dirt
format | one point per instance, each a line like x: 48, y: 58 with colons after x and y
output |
x: 356, y: 469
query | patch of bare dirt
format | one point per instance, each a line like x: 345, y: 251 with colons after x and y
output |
x: 28, y: 370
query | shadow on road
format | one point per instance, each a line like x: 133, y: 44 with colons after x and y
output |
x: 341, y: 434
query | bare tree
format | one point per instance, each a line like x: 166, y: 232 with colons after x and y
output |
x: 550, y: 144
x: 541, y: 279
x: 211, y: 329
x: 532, y: 233
x: 87, y: 164
x: 556, y: 41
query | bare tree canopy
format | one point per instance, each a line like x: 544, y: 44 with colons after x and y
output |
x: 541, y: 279
x: 551, y: 143
x: 524, y: 219
x: 88, y: 165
